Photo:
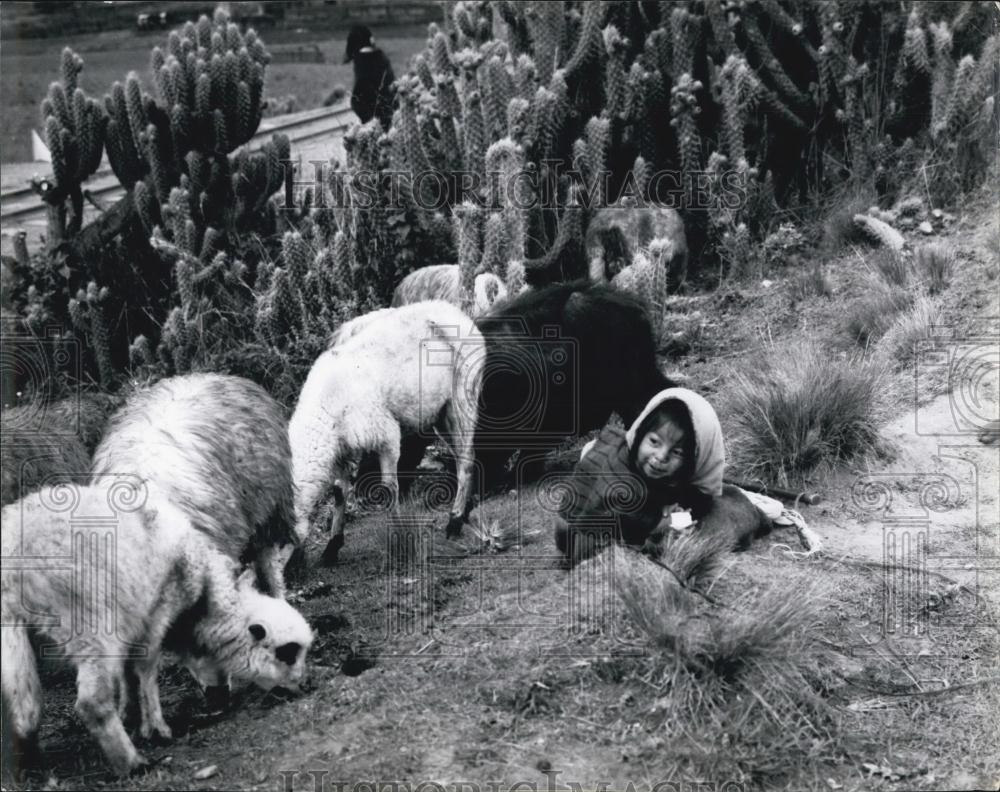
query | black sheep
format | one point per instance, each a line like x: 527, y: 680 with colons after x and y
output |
x: 374, y: 91
x: 559, y: 362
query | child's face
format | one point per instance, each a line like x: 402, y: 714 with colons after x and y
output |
x: 661, y: 452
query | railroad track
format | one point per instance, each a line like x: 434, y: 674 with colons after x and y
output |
x: 23, y: 205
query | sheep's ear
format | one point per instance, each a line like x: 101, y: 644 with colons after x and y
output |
x: 258, y: 632
x: 246, y: 580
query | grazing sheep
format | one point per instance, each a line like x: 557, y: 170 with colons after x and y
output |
x: 217, y: 445
x: 69, y: 552
x: 408, y: 368
x: 559, y: 361
x: 87, y: 414
x: 441, y: 282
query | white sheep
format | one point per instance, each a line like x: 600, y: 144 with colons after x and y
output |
x: 442, y: 282
x: 413, y: 368
x: 218, y: 446
x: 110, y: 579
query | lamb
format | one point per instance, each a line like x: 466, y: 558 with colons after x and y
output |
x: 218, y: 446
x: 559, y: 361
x: 414, y: 367
x: 68, y: 553
x: 441, y: 282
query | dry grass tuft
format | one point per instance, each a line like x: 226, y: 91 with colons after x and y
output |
x: 811, y: 283
x: 891, y: 267
x: 696, y: 556
x: 936, y: 264
x: 664, y: 612
x: 870, y: 317
x: 900, y: 342
x: 839, y: 228
x: 740, y: 679
x: 799, y: 408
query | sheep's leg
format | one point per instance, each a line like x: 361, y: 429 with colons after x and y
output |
x: 271, y: 567
x: 277, y: 541
x: 338, y: 516
x: 95, y: 705
x: 388, y: 459
x: 22, y: 691
x: 460, y: 432
x: 152, y: 723
x: 129, y: 699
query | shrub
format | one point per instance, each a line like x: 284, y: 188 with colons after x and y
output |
x: 797, y: 408
x: 936, y: 264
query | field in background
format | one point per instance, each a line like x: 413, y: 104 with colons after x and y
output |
x: 27, y: 68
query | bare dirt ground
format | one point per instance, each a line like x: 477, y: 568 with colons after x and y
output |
x: 459, y: 666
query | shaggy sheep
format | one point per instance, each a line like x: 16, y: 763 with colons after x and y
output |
x: 30, y: 459
x: 408, y: 368
x: 68, y: 553
x: 441, y: 282
x: 217, y: 445
x: 46, y: 443
x: 559, y: 361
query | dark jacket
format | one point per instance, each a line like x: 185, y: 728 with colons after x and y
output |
x: 607, y: 497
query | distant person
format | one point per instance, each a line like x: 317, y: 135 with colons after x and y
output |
x: 374, y: 92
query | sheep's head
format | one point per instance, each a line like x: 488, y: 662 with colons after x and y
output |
x: 277, y: 640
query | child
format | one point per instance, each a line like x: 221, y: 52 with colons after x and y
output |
x: 374, y: 93
x: 634, y: 485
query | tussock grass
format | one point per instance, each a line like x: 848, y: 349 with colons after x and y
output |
x: 811, y: 283
x: 900, y: 341
x: 891, y: 267
x: 936, y: 264
x: 839, y: 228
x: 696, y: 556
x: 740, y: 679
x: 871, y: 316
x: 799, y: 408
